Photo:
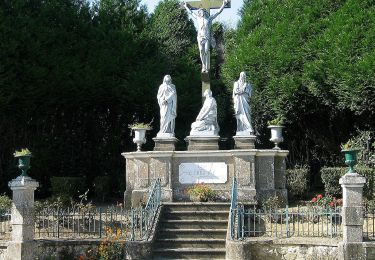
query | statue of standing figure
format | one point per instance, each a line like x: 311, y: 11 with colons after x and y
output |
x: 204, y: 21
x: 241, y: 98
x: 206, y: 122
x: 167, y: 99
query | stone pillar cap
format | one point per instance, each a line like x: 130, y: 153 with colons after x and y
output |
x: 23, y: 182
x: 352, y: 179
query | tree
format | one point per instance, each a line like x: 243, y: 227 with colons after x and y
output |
x: 310, y: 62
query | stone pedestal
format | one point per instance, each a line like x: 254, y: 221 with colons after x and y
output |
x: 202, y: 142
x: 352, y: 216
x: 260, y: 173
x: 165, y: 143
x: 21, y: 246
x: 244, y: 141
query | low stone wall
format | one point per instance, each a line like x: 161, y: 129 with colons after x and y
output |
x: 71, y: 249
x: 288, y: 248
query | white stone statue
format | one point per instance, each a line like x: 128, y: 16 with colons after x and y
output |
x: 241, y: 97
x: 206, y: 122
x: 204, y: 21
x: 167, y: 99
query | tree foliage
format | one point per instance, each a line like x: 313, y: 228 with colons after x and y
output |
x: 72, y: 77
x: 312, y: 62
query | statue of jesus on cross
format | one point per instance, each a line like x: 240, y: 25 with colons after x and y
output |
x: 204, y: 21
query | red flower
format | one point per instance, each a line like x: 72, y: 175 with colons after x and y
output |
x: 320, y: 196
x: 331, y: 204
x: 314, y: 199
x: 339, y: 202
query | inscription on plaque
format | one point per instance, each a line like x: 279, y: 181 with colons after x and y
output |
x: 210, y: 172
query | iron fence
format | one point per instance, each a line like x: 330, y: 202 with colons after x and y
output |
x: 287, y: 222
x: 90, y: 222
x: 5, y: 225
x: 369, y: 224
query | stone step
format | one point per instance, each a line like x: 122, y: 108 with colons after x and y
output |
x: 193, y: 223
x: 197, y: 215
x: 190, y: 243
x: 197, y: 206
x: 189, y: 253
x: 191, y: 233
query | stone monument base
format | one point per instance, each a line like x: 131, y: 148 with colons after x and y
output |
x: 199, y: 143
x: 165, y: 143
x: 244, y: 141
x: 260, y: 174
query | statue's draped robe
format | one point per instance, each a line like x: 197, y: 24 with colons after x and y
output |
x: 241, y: 98
x: 207, y: 117
x: 168, y: 110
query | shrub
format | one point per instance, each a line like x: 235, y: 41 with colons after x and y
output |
x: 201, y: 192
x: 296, y: 181
x: 331, y: 175
x: 5, y: 204
x: 102, y: 187
x: 68, y: 186
x: 273, y: 202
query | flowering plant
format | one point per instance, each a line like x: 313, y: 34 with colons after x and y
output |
x: 201, y: 192
x: 327, y: 201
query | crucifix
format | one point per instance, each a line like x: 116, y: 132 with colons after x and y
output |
x: 204, y: 21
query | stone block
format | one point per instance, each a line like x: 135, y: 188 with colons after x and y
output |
x: 265, y: 178
x: 352, y: 234
x: 280, y: 172
x: 245, y: 170
x: 352, y: 216
x: 205, y: 143
x: 165, y: 144
x: 244, y: 142
x: 350, y: 251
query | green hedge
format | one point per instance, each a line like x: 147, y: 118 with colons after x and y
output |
x: 103, y: 187
x: 331, y: 175
x: 296, y: 181
x: 68, y: 186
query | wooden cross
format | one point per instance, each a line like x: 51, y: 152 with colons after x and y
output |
x: 207, y: 4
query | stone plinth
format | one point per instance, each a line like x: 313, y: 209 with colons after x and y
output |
x: 165, y: 143
x: 203, y: 143
x: 259, y: 173
x: 22, y: 205
x: 244, y: 141
x: 352, y: 216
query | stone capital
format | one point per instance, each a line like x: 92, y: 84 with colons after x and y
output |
x: 352, y: 180
x: 23, y: 183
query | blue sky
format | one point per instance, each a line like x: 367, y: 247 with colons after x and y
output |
x: 229, y: 16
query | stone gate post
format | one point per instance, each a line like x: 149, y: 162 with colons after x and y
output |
x: 352, y: 217
x: 22, y: 218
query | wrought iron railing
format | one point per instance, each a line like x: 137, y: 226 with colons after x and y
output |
x: 235, y: 213
x: 284, y: 222
x: 5, y: 225
x: 91, y: 222
x: 369, y: 224
x: 291, y: 222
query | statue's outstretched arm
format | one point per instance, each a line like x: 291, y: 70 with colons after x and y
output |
x: 189, y: 10
x: 220, y: 10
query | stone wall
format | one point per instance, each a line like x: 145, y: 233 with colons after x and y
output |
x: 260, y: 173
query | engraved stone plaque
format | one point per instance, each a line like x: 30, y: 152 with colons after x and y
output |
x: 205, y: 172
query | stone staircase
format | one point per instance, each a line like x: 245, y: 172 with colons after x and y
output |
x: 190, y: 230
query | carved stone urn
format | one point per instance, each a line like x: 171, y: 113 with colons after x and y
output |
x: 276, y: 135
x: 139, y: 137
x: 350, y: 158
x: 24, y: 163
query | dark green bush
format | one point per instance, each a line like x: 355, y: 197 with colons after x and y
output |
x: 102, y: 187
x: 331, y: 175
x: 5, y: 204
x: 68, y: 186
x: 296, y: 181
